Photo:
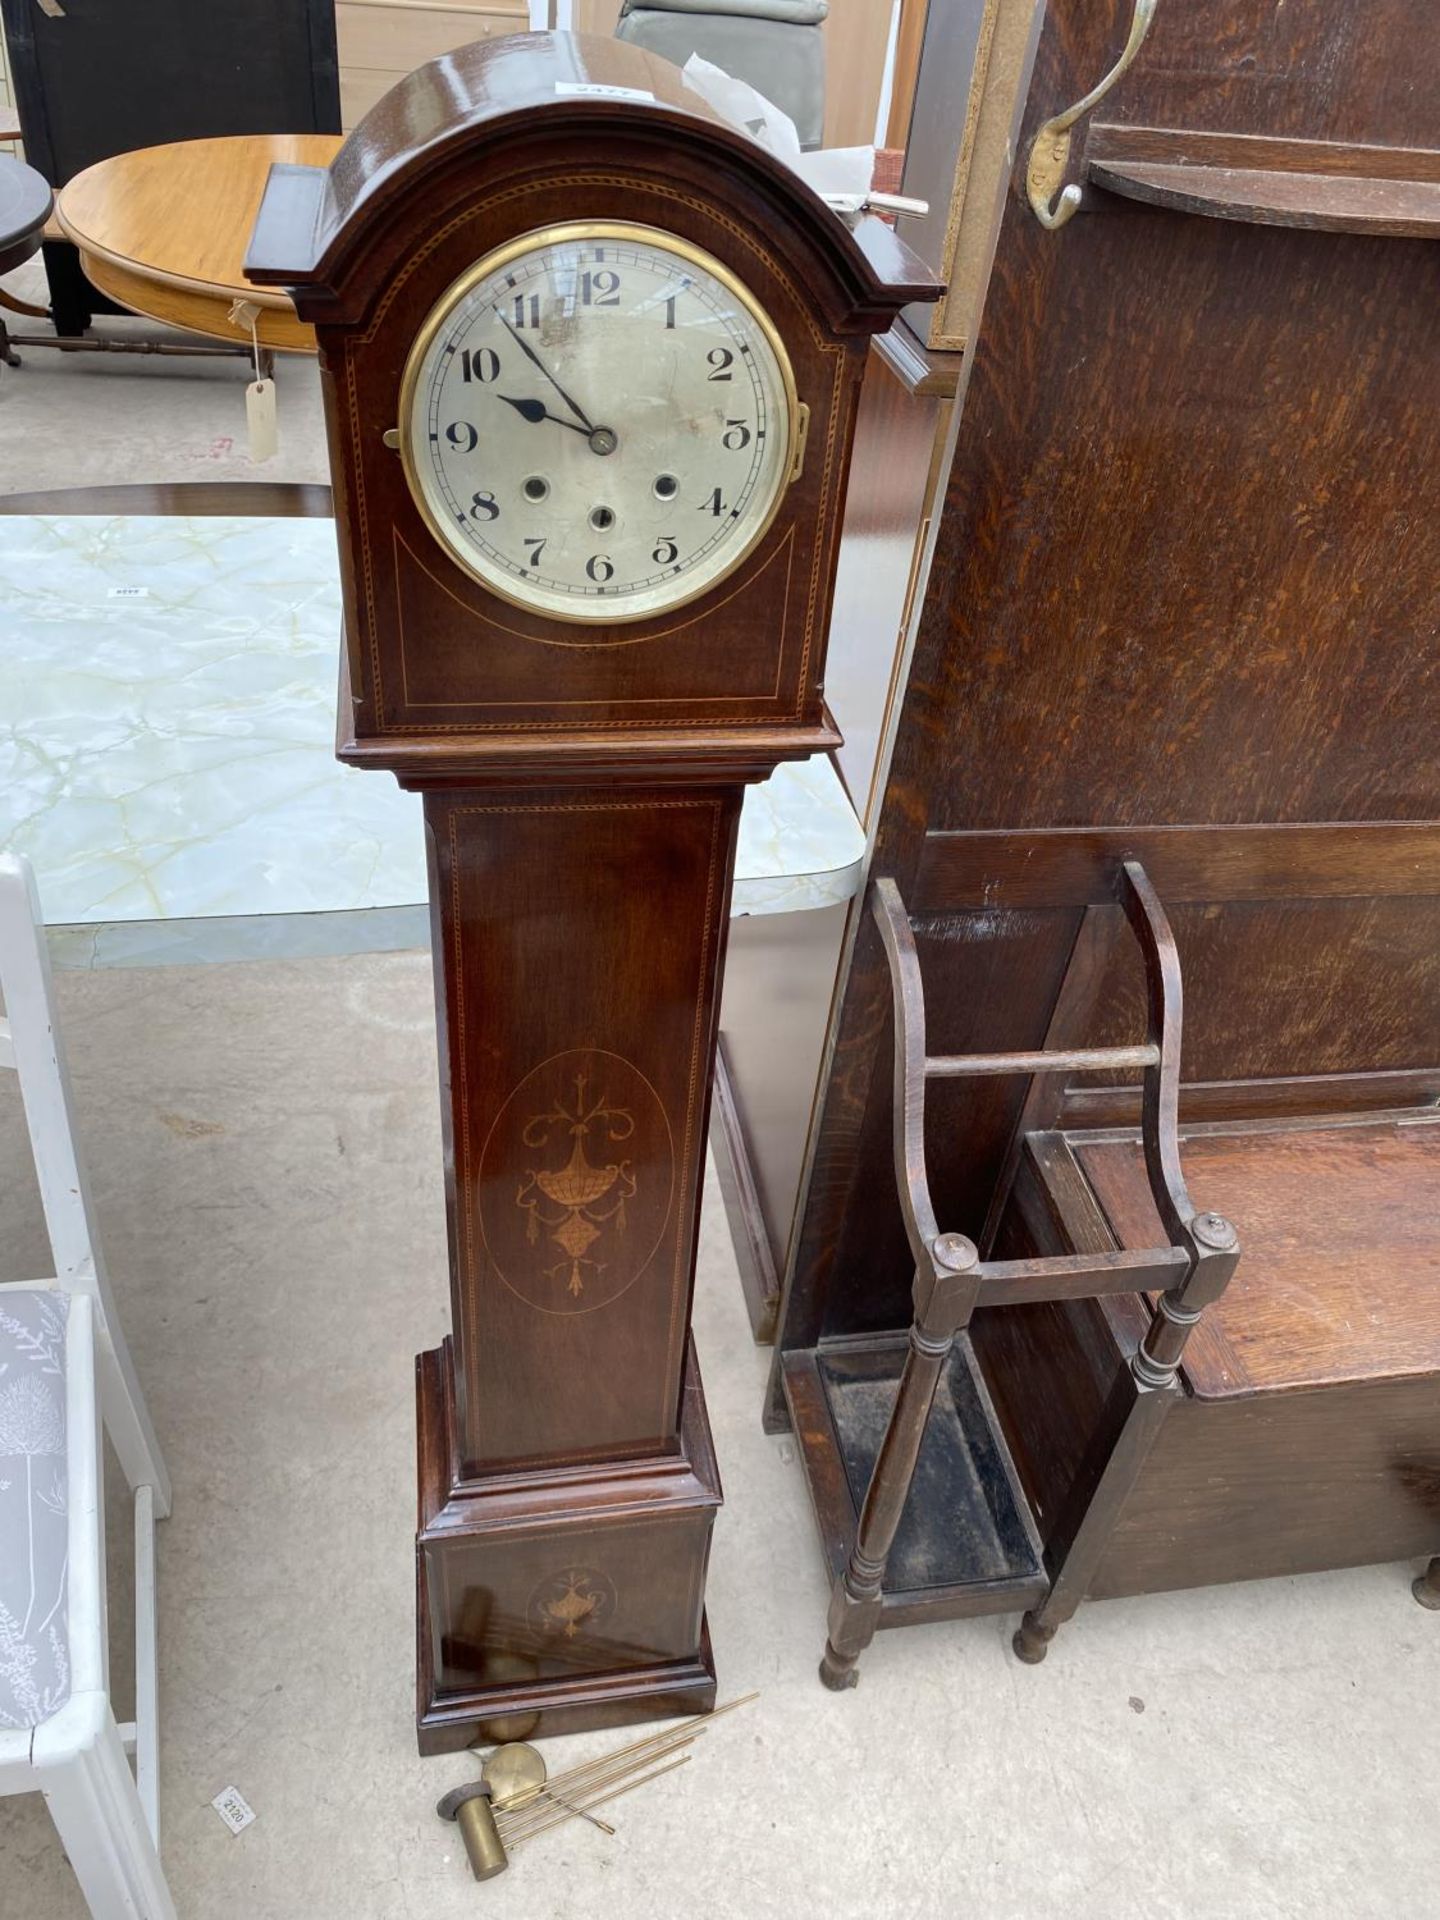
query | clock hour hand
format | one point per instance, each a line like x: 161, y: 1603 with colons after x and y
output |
x: 536, y: 410
x: 531, y: 355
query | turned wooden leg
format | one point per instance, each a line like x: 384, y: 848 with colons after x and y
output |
x: 1427, y: 1588
x: 1132, y: 1417
x: 1108, y: 1474
x: 944, y: 1295
x: 856, y: 1601
x: 1032, y: 1639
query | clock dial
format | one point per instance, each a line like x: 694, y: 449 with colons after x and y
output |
x: 598, y: 422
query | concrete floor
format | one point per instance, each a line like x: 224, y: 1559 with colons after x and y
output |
x: 265, y: 1149
x: 101, y: 419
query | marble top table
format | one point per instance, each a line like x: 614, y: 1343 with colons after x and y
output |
x: 167, y: 700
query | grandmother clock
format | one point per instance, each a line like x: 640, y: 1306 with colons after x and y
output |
x: 590, y: 361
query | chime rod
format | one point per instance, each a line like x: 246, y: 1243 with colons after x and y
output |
x: 697, y: 1724
x: 660, y: 1742
x: 657, y: 1744
x: 513, y: 1820
x: 549, y: 1793
x: 614, y: 1794
x: 581, y: 1778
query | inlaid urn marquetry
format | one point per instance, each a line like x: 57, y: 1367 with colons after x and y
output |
x: 590, y: 361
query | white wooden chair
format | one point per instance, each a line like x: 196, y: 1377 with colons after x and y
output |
x: 61, y: 1345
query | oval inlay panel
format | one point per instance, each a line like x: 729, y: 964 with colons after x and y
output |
x: 576, y: 1181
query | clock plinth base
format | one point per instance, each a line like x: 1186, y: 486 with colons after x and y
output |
x: 673, y: 1690
x: 564, y: 1599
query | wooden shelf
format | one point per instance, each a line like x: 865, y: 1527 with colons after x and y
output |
x: 1318, y: 184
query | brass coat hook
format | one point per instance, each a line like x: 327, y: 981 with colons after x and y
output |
x: 1050, y: 151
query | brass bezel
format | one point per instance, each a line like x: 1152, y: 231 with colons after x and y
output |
x: 581, y: 230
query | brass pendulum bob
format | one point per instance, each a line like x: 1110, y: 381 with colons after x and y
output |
x: 513, y: 1772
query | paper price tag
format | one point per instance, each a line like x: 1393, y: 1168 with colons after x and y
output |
x: 233, y: 1809
x: 260, y: 418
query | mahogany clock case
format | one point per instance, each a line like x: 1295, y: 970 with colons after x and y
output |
x: 433, y: 658
x: 582, y: 788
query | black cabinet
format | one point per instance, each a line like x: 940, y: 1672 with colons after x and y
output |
x: 105, y: 76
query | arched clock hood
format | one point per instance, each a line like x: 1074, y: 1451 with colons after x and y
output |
x: 502, y: 104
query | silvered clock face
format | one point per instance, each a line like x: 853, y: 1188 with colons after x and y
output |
x: 598, y: 422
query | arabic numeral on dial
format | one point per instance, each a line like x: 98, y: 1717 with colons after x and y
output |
x: 599, y: 568
x: 480, y: 363
x: 462, y: 436
x: 527, y: 311
x: 715, y: 504
x: 666, y: 551
x: 600, y: 289
x: 736, y: 435
x: 483, y: 507
x: 537, y: 547
x: 720, y: 359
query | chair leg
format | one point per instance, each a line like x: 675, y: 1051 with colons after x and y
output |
x: 1427, y: 1588
x: 96, y: 1807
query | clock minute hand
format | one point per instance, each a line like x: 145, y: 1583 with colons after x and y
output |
x: 530, y: 354
x: 535, y: 410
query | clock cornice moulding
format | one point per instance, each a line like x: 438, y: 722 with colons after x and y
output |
x: 315, y: 226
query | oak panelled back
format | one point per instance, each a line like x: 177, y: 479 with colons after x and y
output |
x: 1188, y: 572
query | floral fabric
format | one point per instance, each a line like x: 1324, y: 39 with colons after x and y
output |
x: 34, y: 1540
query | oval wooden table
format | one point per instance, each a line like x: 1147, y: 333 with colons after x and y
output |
x: 164, y: 231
